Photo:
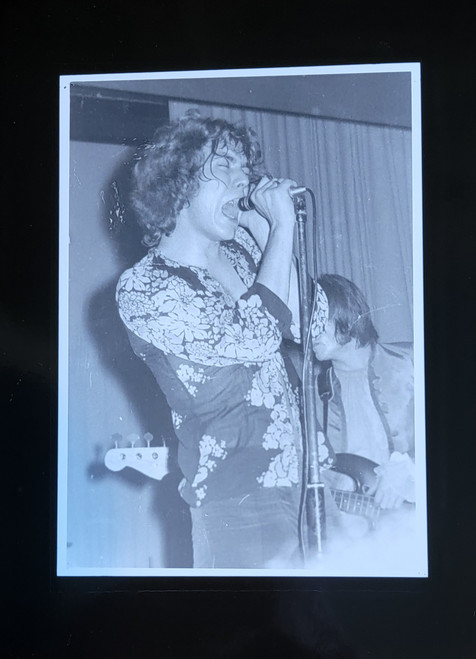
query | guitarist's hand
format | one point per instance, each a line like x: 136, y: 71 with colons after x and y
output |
x: 385, y: 496
x: 395, y: 481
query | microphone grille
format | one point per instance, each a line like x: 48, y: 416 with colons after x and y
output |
x: 245, y: 203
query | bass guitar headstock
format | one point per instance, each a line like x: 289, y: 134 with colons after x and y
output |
x: 150, y: 460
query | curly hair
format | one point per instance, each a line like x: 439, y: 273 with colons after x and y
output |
x: 349, y: 311
x: 169, y: 169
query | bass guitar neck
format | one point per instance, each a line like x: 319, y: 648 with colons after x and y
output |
x: 361, y: 477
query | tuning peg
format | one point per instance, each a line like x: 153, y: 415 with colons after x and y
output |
x: 133, y: 438
x: 116, y: 438
x: 148, y: 438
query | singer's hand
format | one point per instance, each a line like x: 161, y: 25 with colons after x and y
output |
x: 257, y: 225
x: 272, y: 200
x: 248, y: 218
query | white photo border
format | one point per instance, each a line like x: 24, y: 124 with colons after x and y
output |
x: 420, y: 568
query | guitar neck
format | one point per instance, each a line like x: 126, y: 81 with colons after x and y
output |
x: 355, y: 503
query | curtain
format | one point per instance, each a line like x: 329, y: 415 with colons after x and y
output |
x: 361, y: 178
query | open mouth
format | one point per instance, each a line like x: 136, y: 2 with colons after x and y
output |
x: 231, y: 210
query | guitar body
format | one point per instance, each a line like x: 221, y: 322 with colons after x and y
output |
x: 359, y: 469
x: 349, y: 480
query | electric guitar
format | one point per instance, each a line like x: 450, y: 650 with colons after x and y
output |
x: 356, y: 475
x: 353, y: 475
x: 358, y: 471
x: 150, y: 460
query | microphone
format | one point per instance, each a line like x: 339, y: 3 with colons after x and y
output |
x: 245, y: 203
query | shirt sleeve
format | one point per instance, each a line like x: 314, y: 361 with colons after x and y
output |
x: 165, y: 310
x: 319, y: 317
x: 320, y: 313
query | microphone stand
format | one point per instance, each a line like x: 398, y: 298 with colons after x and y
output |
x: 314, y: 494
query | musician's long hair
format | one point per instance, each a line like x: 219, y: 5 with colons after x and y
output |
x: 169, y: 169
x: 349, y: 311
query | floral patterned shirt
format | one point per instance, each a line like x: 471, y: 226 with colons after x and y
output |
x: 220, y: 365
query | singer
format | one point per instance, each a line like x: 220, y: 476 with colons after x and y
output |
x: 207, y: 310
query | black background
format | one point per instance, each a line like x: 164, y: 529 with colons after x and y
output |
x: 141, y: 618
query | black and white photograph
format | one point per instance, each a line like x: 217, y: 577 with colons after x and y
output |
x: 241, y: 336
